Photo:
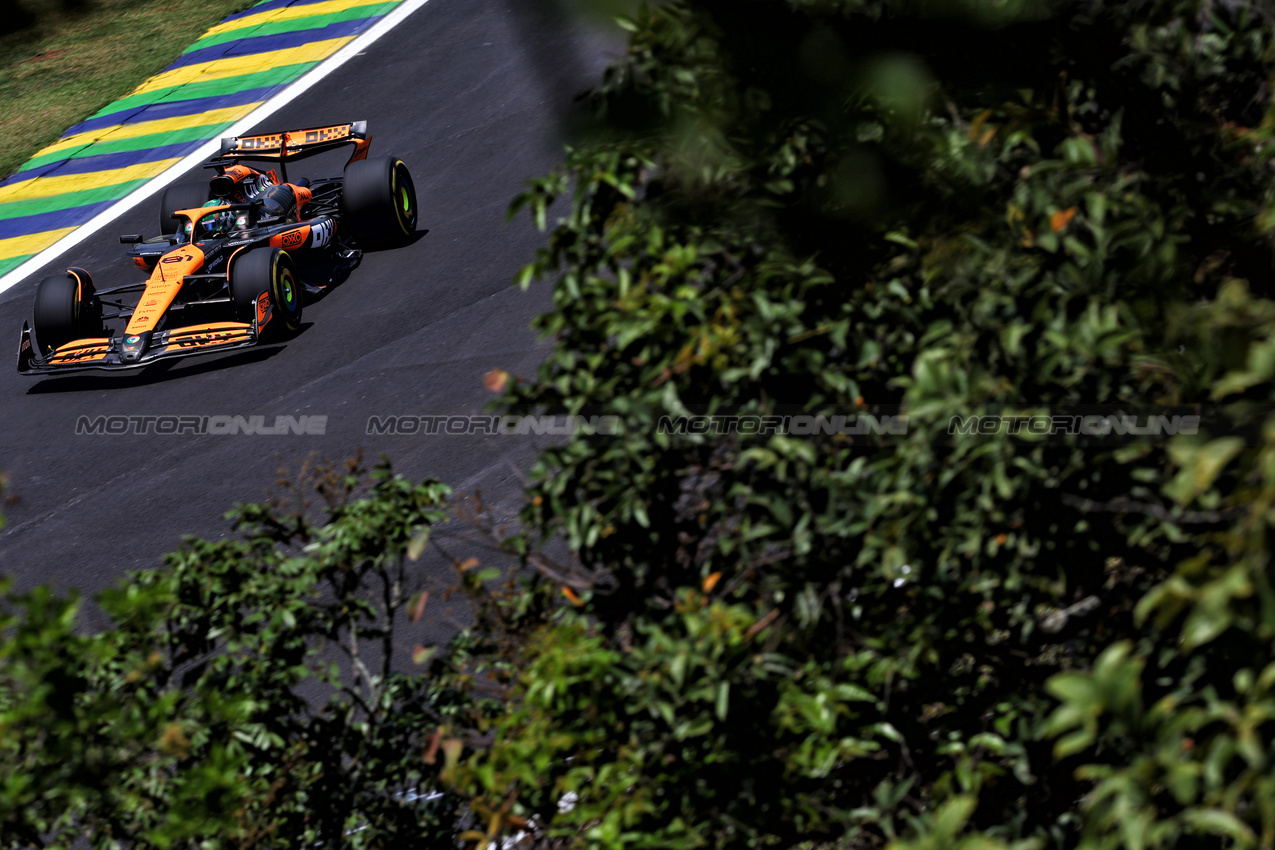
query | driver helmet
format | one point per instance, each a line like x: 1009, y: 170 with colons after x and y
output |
x: 216, y: 225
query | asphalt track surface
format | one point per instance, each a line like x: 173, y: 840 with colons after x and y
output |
x: 475, y: 96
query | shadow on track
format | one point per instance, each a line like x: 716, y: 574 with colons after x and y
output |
x: 416, y: 237
x: 549, y: 32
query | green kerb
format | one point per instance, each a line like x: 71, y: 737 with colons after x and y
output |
x: 214, y: 88
x: 295, y: 25
x: 137, y: 143
x: 9, y: 264
x: 69, y: 200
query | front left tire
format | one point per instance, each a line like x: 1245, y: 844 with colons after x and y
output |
x: 269, y: 271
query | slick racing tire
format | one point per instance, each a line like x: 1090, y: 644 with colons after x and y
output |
x: 379, y: 201
x: 180, y: 196
x: 66, y: 308
x: 269, y: 271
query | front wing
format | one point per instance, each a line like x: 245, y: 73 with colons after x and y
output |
x: 115, y: 353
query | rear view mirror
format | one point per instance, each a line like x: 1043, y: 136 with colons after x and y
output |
x: 129, y: 238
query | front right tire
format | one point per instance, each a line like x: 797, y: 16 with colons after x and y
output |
x: 66, y: 309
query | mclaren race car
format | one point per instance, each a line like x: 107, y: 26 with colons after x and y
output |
x: 235, y: 259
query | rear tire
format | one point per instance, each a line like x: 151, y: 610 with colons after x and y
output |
x: 270, y: 271
x: 180, y: 196
x: 379, y: 200
x: 66, y: 309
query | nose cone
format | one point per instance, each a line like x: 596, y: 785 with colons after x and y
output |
x: 134, y: 346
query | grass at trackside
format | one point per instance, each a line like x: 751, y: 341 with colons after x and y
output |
x: 79, y: 55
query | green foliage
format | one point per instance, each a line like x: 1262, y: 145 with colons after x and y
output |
x: 842, y: 207
x: 251, y: 693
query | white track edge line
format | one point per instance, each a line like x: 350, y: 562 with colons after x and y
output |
x: 141, y: 193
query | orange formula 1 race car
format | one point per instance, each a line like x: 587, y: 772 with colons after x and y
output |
x: 237, y: 256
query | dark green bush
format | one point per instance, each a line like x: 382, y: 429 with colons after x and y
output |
x: 937, y: 209
x: 251, y: 693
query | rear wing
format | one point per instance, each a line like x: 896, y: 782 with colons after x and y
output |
x: 292, y: 145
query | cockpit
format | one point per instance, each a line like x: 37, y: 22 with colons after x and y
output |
x: 217, y: 223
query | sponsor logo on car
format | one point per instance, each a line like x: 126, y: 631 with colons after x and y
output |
x: 260, y: 142
x: 293, y: 238
x: 326, y: 134
x: 322, y: 232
